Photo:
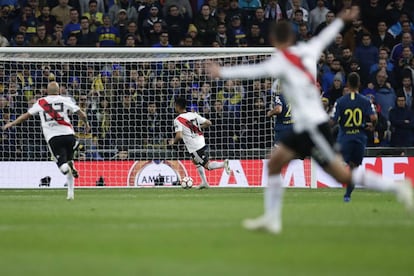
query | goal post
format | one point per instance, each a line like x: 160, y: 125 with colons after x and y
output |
x: 128, y: 95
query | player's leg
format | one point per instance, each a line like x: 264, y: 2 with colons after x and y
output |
x: 271, y: 220
x: 200, y: 159
x: 352, y: 152
x: 58, y: 146
x: 324, y: 154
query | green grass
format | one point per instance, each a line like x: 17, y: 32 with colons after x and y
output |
x: 192, y: 232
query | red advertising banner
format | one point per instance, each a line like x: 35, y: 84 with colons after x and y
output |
x: 245, y: 173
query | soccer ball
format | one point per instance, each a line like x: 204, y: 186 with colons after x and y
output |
x: 187, y: 182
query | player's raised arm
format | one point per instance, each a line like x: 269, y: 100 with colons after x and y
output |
x: 19, y: 120
x: 328, y: 34
x: 84, y: 118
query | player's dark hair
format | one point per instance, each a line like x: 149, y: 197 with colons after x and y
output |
x: 181, y: 102
x: 281, y: 32
x: 353, y: 80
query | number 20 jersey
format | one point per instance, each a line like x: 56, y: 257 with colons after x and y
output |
x: 189, y: 123
x: 59, y: 106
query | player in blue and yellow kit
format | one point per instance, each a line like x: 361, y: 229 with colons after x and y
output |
x: 355, y: 114
x: 283, y: 120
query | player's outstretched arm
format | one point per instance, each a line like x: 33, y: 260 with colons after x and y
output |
x: 320, y: 42
x: 348, y: 15
x: 177, y: 138
x: 206, y: 124
x: 19, y: 120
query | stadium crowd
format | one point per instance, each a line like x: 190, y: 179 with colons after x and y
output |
x: 130, y: 105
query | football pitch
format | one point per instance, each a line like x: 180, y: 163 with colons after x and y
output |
x: 198, y: 232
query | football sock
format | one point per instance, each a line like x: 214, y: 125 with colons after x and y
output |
x: 273, y: 195
x: 212, y: 165
x: 349, y: 189
x: 202, y: 174
x: 373, y: 181
x: 71, y: 185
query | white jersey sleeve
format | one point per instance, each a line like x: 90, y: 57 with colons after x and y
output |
x: 253, y: 71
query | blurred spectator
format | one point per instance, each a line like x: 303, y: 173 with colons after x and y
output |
x: 125, y: 128
x: 402, y: 124
x: 260, y: 20
x: 273, y: 11
x: 383, y: 92
x: 206, y: 25
x: 347, y: 59
x: 72, y: 40
x: 336, y: 91
x: 41, y: 39
x: 402, y: 25
x: 335, y: 69
x: 254, y: 37
x: 94, y: 15
x: 250, y: 4
x: 154, y: 16
x: 407, y: 90
x: 330, y: 16
x: 257, y: 133
x: 8, y: 147
x: 46, y: 18
x: 297, y: 20
x: 403, y: 64
x: 367, y: 55
x: 337, y: 46
x: 296, y: 5
x: 5, y: 21
x: 86, y: 38
x: 394, y: 9
x: 85, y: 7
x: 378, y: 137
x: 381, y: 65
x: 222, y: 133
x: 132, y: 29
x: 73, y: 27
x: 177, y: 25
x: 104, y: 120
x: 221, y: 36
x: 317, y: 15
x: 193, y: 32
x: 236, y: 31
x: 108, y: 35
x: 231, y: 95
x: 184, y: 7
x: 121, y: 23
x: 156, y: 126
x: 353, y: 36
x: 406, y: 41
x: 87, y: 140
x: 372, y: 13
x: 58, y: 34
x: 27, y: 19
x: 163, y: 40
x: 381, y: 37
x: 127, y: 6
x: 153, y: 34
x: 62, y: 12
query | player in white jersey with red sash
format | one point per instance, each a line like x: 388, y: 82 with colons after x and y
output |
x: 295, y: 66
x: 57, y: 129
x: 188, y: 126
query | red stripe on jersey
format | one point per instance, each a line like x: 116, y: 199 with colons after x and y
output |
x: 47, y: 107
x: 190, y: 125
x: 295, y: 60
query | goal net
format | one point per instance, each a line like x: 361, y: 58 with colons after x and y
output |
x: 128, y: 96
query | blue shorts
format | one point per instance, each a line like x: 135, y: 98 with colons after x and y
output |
x: 352, y: 150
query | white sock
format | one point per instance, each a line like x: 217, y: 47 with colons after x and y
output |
x: 202, y: 174
x: 71, y: 185
x: 212, y: 165
x: 273, y: 195
x: 373, y: 181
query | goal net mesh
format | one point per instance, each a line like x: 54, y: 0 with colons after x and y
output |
x: 128, y: 97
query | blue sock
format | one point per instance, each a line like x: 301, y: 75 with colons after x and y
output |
x: 349, y: 189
